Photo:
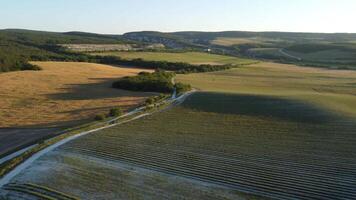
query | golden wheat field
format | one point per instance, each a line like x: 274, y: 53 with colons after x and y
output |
x: 62, y: 93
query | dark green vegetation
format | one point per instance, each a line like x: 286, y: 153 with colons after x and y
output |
x: 99, y: 117
x: 147, y: 82
x: 291, y: 150
x: 178, y: 67
x: 182, y: 88
x: 159, y: 81
x: 155, y: 99
x: 115, y: 112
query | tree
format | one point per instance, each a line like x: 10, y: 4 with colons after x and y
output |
x: 150, y: 101
x: 115, y: 112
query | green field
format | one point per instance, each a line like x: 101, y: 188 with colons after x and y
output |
x: 189, y: 57
x: 334, y: 90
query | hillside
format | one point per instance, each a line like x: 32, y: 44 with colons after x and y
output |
x: 62, y: 93
x: 17, y: 47
x: 38, y: 104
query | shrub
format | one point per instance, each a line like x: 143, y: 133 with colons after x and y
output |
x: 150, y: 101
x: 28, y: 66
x: 115, y: 112
x: 143, y: 73
x: 99, y: 117
x: 181, y: 88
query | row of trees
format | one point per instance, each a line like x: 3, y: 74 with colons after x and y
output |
x: 178, y: 67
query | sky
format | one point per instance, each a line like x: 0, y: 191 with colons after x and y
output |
x: 120, y: 16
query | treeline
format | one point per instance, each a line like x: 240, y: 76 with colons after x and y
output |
x: 17, y: 59
x: 16, y: 56
x: 6, y: 66
x: 178, y: 67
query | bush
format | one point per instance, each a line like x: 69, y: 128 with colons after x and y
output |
x: 150, y: 101
x: 99, y: 117
x: 115, y: 112
x: 143, y: 73
x: 28, y: 66
x: 181, y: 88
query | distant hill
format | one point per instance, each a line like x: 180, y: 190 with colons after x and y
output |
x: 19, y: 46
x: 312, y: 49
x: 205, y: 37
x: 331, y: 50
x: 170, y: 40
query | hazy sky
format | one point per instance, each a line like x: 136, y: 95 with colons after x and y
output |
x: 119, y: 16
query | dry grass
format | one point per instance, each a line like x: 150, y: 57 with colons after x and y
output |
x: 62, y: 93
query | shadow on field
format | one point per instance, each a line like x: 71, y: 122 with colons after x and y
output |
x: 259, y: 106
x: 99, y: 109
x: 17, y: 138
x: 101, y: 89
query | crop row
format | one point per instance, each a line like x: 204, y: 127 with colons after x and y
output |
x: 323, y: 162
x: 237, y: 176
x: 38, y: 191
x: 266, y: 156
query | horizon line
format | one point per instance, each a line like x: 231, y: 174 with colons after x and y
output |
x: 178, y: 31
